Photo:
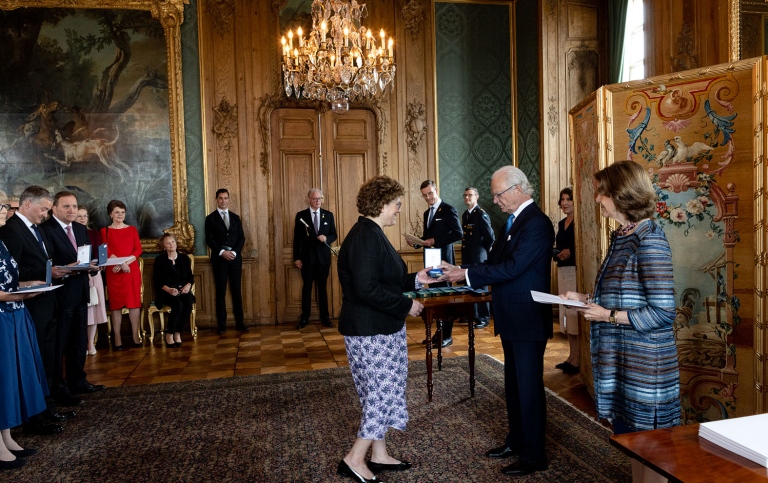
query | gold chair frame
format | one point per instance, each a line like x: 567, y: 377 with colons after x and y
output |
x: 152, y: 309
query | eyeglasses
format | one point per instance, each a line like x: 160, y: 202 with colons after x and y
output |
x: 5, y: 206
x: 498, y: 195
x: 318, y: 199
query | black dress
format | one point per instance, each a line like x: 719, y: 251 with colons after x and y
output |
x: 175, y: 274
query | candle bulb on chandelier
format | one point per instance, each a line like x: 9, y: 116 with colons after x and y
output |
x: 333, y: 61
x: 346, y: 36
x: 296, y: 53
x: 301, y: 39
x: 382, y: 35
x: 323, y: 29
x: 368, y: 37
x: 391, y: 45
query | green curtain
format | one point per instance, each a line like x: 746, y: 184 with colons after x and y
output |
x: 617, y: 20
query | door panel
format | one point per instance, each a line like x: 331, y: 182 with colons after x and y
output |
x: 348, y: 159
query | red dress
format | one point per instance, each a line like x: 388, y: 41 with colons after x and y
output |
x: 124, y: 289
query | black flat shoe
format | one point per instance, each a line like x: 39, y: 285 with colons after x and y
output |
x: 137, y: 345
x: 23, y: 453
x: 345, y: 470
x: 561, y: 365
x: 86, y: 388
x: 377, y: 468
x: 522, y: 468
x: 570, y: 369
x: 12, y: 465
x: 117, y: 348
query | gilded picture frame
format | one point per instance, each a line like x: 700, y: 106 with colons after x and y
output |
x: 170, y: 15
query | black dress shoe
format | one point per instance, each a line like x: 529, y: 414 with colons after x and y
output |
x: 501, y: 452
x: 59, y: 417
x: 86, y: 388
x: 561, y: 365
x: 64, y: 400
x: 377, y: 468
x: 47, y: 429
x: 117, y: 348
x: 302, y: 324
x: 445, y: 343
x: 570, y: 369
x: 327, y: 323
x: 12, y: 465
x: 482, y: 323
x: 522, y: 468
x: 23, y: 453
x: 243, y: 329
x: 448, y: 341
x: 344, y: 470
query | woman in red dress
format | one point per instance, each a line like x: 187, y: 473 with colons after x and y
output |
x: 124, y: 280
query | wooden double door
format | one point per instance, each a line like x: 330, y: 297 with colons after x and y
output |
x: 310, y: 149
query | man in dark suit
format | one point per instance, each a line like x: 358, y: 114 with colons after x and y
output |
x: 225, y: 237
x: 475, y: 244
x: 30, y: 247
x: 65, y: 236
x: 441, y: 230
x: 519, y: 261
x: 313, y: 232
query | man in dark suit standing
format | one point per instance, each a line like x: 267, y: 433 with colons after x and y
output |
x: 475, y: 244
x: 30, y: 247
x: 441, y: 230
x: 313, y: 232
x: 65, y: 236
x: 519, y: 261
x: 225, y: 237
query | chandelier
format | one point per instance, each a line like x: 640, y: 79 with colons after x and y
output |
x: 340, y: 60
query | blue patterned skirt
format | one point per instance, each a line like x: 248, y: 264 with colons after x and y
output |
x: 379, y: 366
x: 23, y: 386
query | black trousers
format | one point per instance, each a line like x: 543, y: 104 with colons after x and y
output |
x: 526, y: 399
x: 71, y: 344
x: 181, y: 309
x: 228, y: 272
x: 317, y: 274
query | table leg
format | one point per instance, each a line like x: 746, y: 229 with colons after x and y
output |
x: 428, y: 330
x: 439, y: 344
x: 472, y: 357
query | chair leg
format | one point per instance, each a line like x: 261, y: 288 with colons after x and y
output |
x: 162, y: 325
x: 192, y: 324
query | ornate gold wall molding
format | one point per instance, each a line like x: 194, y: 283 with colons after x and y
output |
x: 415, y: 125
x: 222, y: 12
x: 413, y: 15
x: 225, y: 125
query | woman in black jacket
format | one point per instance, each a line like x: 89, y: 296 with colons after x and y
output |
x: 373, y: 278
x: 173, y: 282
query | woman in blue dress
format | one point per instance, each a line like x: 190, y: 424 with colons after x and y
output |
x: 634, y: 357
x: 22, y: 379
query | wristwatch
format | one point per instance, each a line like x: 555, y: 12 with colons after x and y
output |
x: 612, y: 318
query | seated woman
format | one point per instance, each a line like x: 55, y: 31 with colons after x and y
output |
x: 173, y: 281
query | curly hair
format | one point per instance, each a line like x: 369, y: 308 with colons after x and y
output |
x: 629, y: 186
x: 377, y: 192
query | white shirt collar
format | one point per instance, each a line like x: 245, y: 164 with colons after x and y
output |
x: 24, y: 219
x: 63, y: 225
x: 436, y: 205
x: 522, y: 206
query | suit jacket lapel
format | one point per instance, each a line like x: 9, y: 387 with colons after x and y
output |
x: 31, y: 238
x: 63, y: 238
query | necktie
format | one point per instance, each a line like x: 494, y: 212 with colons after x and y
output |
x: 508, y: 225
x: 71, y: 237
x: 317, y: 223
x: 39, y: 239
x: 431, y: 215
x: 225, y: 217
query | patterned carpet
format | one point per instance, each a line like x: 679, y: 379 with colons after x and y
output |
x: 295, y: 427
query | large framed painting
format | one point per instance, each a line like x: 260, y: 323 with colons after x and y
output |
x: 91, y: 102
x: 695, y: 134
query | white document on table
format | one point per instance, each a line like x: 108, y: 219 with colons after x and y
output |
x: 545, y: 298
